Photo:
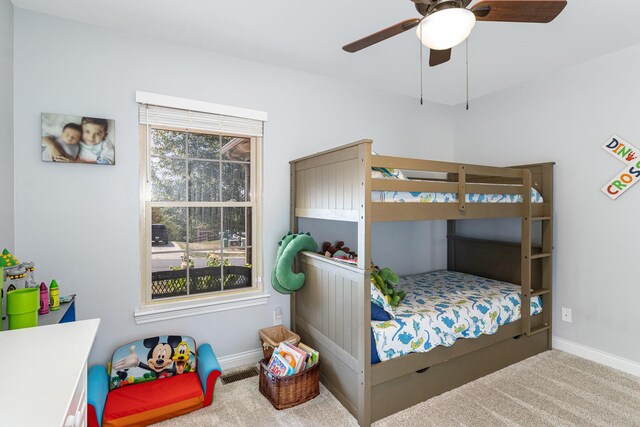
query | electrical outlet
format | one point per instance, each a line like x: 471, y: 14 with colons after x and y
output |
x: 566, y: 314
x: 277, y: 316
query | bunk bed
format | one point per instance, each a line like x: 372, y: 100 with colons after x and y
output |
x: 332, y: 312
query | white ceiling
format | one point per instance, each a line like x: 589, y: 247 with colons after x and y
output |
x: 308, y: 36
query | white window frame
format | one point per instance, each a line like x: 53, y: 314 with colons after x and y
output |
x: 189, y: 305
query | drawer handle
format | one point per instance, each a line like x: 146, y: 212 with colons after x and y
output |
x: 423, y: 370
x: 517, y: 337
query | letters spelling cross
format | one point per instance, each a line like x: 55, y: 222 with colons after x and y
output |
x: 627, y: 153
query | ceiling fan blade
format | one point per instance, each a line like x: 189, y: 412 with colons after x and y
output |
x: 437, y: 57
x: 537, y: 11
x: 381, y: 35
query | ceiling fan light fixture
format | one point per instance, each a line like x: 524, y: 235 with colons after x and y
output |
x: 446, y: 28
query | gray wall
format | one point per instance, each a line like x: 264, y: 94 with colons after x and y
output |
x: 566, y: 117
x: 80, y: 223
x: 6, y: 125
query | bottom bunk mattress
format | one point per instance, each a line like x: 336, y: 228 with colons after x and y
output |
x: 442, y: 306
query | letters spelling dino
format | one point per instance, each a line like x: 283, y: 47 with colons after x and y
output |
x: 628, y: 154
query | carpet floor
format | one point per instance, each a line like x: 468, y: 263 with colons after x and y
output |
x: 550, y: 389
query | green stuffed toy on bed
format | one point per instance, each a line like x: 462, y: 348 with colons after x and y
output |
x: 385, y: 279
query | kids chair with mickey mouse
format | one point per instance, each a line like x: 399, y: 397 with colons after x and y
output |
x: 151, y: 380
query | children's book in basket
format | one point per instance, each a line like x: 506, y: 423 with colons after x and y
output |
x: 291, y: 376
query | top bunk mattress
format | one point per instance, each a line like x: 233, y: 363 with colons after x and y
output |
x: 417, y: 197
x: 442, y: 306
x: 411, y: 197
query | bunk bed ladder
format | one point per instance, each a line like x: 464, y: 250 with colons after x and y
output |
x: 545, y: 255
x: 542, y: 259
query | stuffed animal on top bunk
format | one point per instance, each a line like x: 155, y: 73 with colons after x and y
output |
x: 339, y: 251
x: 385, y: 280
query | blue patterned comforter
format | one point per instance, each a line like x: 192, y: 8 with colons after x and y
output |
x: 441, y: 307
x: 411, y: 197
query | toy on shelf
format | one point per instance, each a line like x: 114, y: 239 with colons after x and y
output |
x: 66, y: 298
x: 14, y: 275
x: 339, y: 252
x: 13, y: 278
x: 54, y: 295
x: 30, y: 281
x: 44, y: 299
x: 22, y: 308
x: 8, y: 260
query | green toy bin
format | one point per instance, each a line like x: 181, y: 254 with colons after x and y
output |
x: 22, y: 307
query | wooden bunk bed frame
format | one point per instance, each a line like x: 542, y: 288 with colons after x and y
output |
x: 332, y: 311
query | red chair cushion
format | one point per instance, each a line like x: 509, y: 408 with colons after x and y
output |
x: 150, y: 402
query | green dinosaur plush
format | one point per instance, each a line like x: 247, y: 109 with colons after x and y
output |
x: 386, y: 279
x: 283, y: 279
x: 282, y: 244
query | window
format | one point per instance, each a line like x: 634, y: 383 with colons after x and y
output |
x: 200, y: 205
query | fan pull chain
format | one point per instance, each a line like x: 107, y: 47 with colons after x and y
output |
x: 467, y: 49
x: 421, y: 62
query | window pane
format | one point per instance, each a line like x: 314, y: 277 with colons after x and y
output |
x: 167, y: 143
x: 237, y: 270
x: 236, y: 148
x: 206, y: 273
x: 234, y: 227
x: 168, y: 229
x: 202, y: 146
x: 235, y: 182
x: 168, y: 179
x: 168, y: 267
x: 204, y: 229
x: 168, y: 261
x: 168, y: 275
x: 204, y: 177
x: 236, y: 256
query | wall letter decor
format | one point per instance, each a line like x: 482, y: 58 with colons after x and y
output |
x: 628, y: 154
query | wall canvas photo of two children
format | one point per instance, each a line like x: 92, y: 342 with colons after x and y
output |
x: 78, y: 139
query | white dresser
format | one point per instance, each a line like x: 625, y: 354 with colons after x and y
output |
x: 43, y: 371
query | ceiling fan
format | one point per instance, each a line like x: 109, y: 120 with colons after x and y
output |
x: 447, y: 23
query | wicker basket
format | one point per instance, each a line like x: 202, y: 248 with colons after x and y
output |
x: 273, y: 336
x: 286, y: 392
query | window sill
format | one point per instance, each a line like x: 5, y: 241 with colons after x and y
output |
x: 175, y: 310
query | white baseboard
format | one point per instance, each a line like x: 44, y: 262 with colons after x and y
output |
x: 240, y: 359
x: 607, y: 359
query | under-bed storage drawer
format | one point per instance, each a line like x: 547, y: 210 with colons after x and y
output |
x: 411, y: 389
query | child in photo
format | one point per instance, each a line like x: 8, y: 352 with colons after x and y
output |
x: 93, y: 147
x: 64, y: 148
